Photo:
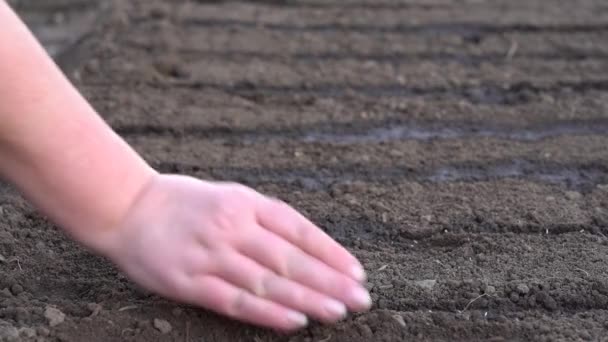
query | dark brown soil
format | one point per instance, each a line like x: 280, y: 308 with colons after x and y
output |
x: 459, y: 148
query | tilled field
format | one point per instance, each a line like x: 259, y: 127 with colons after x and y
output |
x: 458, y: 148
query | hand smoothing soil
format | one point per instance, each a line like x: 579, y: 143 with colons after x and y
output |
x: 458, y: 148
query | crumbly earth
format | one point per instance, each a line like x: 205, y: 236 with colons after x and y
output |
x: 458, y: 148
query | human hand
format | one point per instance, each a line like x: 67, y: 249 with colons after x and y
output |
x: 229, y: 249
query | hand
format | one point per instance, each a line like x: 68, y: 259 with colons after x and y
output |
x: 232, y: 250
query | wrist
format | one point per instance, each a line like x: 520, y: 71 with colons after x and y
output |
x: 87, y: 188
x: 102, y: 234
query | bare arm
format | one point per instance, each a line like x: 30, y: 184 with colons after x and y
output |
x: 54, y: 146
x: 222, y: 246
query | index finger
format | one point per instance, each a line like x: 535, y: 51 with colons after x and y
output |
x: 288, y: 223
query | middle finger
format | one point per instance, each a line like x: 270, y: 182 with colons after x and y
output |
x: 264, y: 283
x: 283, y: 258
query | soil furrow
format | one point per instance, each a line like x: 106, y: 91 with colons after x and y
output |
x: 511, y: 94
x: 428, y: 29
x: 395, y: 58
x: 576, y: 176
x: 354, y: 5
x: 372, y: 132
x: 214, y: 108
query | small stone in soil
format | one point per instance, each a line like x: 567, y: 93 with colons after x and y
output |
x: 27, y: 332
x: 21, y: 315
x: 42, y: 331
x: 16, y: 289
x: 54, y: 316
x: 523, y: 289
x: 162, y: 326
x: 8, y: 332
x: 547, y: 301
x: 141, y: 324
x: 489, y: 290
x: 366, y: 331
x: 427, y: 284
x: 400, y: 320
x: 94, y: 308
x: 573, y: 195
x: 177, y: 312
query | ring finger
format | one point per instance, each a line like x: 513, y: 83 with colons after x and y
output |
x: 264, y: 283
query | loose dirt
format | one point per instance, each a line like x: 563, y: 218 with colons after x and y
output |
x: 458, y: 148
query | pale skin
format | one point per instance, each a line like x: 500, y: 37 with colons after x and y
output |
x: 220, y: 246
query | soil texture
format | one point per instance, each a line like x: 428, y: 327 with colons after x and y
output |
x: 458, y: 148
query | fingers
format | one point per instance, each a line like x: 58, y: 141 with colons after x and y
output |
x: 290, y: 262
x: 247, y: 274
x: 224, y: 298
x: 292, y: 226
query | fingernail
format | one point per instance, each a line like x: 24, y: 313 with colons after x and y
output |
x: 358, y: 273
x: 335, y: 308
x: 297, y: 318
x: 362, y: 298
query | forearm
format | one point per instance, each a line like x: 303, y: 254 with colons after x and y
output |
x: 53, y: 145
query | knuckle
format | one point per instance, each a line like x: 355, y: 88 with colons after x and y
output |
x: 278, y: 205
x: 232, y: 206
x: 225, y: 213
x: 195, y: 262
x: 236, y: 306
x: 239, y: 191
x: 265, y: 285
x: 224, y: 219
x: 174, y: 284
x: 224, y: 203
x: 302, y: 232
x: 280, y: 264
x: 340, y: 284
x: 298, y: 297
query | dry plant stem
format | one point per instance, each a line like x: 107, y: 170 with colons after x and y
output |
x: 473, y: 301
